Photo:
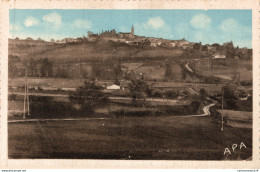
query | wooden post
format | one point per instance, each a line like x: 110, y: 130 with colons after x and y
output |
x: 222, y: 103
x: 28, y: 100
x: 25, y: 95
x: 222, y: 122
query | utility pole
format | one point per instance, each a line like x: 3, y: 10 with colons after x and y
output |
x: 74, y: 66
x: 28, y: 100
x: 25, y: 94
x: 26, y: 97
x: 222, y: 97
x: 222, y: 120
x: 209, y: 64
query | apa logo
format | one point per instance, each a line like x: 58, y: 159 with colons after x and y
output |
x: 234, y: 146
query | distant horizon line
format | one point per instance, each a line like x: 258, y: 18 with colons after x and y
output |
x: 36, y: 39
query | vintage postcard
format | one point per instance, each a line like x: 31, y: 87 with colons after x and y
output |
x: 129, y: 84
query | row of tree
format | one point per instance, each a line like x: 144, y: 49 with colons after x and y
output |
x: 46, y: 68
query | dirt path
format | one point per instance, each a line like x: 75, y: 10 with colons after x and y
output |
x: 188, y: 68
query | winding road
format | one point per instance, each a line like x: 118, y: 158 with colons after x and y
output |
x: 192, y: 91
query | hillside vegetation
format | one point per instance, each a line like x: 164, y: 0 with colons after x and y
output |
x: 99, y: 50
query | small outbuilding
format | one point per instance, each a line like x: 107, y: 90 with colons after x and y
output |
x: 113, y: 87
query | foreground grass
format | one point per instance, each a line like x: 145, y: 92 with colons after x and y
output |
x: 174, y: 138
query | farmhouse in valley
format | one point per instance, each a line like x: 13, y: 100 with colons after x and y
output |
x: 113, y: 87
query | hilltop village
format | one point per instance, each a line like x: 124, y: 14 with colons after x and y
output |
x: 132, y: 39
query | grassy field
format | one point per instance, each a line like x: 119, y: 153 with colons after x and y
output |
x: 46, y: 82
x: 28, y: 49
x: 242, y: 119
x: 232, y: 69
x: 159, y: 52
x: 172, y: 138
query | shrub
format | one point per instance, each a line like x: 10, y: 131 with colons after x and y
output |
x: 12, y: 97
x: 244, y: 83
x: 171, y: 94
x: 53, y: 110
x: 42, y: 99
x: 231, y: 104
x: 157, y: 94
x: 194, y: 106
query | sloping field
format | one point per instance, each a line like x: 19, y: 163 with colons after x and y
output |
x: 152, y: 72
x: 98, y: 50
x: 233, y: 69
x: 159, y: 53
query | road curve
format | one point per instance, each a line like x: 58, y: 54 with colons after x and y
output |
x: 188, y: 68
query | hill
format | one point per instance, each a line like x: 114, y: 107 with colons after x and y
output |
x: 100, y: 50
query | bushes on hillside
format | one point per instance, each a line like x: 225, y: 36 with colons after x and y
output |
x: 194, y: 107
x: 171, y: 94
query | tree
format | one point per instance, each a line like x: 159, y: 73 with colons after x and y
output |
x: 138, y: 89
x: 32, y: 66
x: 229, y: 96
x: 183, y: 72
x: 230, y: 50
x: 203, y: 94
x: 29, y: 39
x: 171, y: 94
x: 46, y: 67
x: 89, y: 96
x: 12, y: 60
x: 204, y: 48
x: 196, y: 46
x: 194, y: 107
x: 146, y: 42
x: 117, y: 82
x: 217, y: 46
x: 97, y: 70
x: 228, y: 91
x: 90, y: 34
x: 118, y: 70
x: 169, y: 71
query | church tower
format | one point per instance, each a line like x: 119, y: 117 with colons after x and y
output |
x: 132, y: 31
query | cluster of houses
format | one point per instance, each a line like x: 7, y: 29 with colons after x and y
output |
x: 132, y: 39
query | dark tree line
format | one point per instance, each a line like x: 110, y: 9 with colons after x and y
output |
x: 12, y: 60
